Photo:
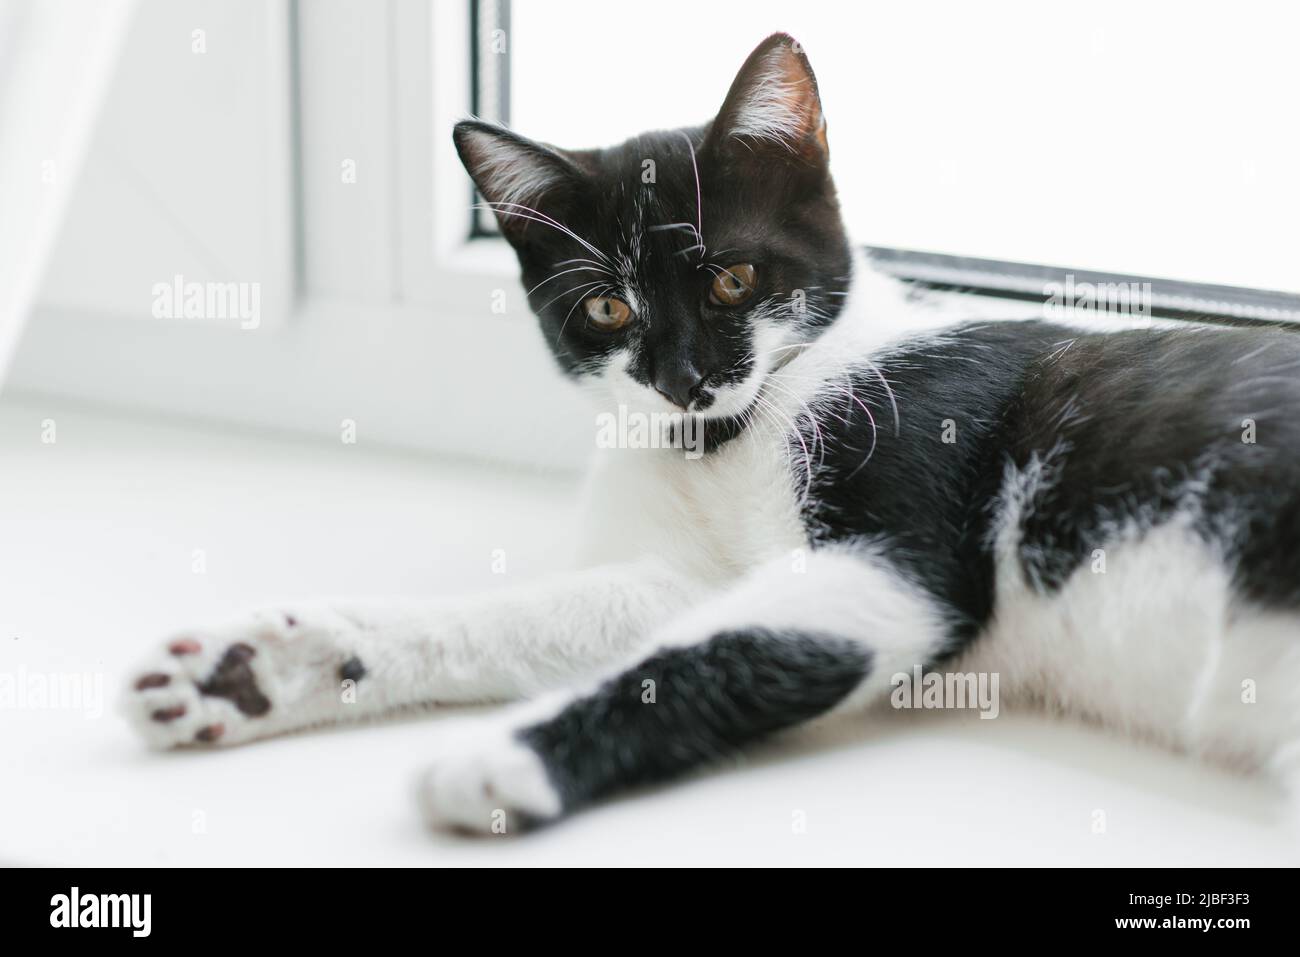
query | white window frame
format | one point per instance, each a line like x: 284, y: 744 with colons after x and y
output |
x: 426, y: 364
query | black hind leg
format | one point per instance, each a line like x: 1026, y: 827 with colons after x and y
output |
x: 682, y: 707
x: 778, y: 650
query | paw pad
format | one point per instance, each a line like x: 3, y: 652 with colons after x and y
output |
x: 233, y: 680
x: 209, y: 734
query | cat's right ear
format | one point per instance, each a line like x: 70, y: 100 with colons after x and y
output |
x: 773, y: 107
x: 522, y: 181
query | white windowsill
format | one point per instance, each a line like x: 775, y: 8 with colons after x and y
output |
x: 100, y: 529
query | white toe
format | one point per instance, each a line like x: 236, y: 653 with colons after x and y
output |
x: 495, y: 789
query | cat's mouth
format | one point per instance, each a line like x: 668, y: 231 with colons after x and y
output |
x: 726, y: 401
x: 743, y: 399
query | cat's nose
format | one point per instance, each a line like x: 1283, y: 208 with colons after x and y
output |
x: 680, y: 385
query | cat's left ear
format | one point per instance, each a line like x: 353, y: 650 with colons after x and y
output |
x: 773, y: 105
x: 522, y: 180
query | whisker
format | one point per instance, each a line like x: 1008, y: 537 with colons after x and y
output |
x: 557, y: 275
x: 889, y: 390
x: 699, y: 197
x: 575, y: 305
x: 845, y: 388
x: 872, y: 419
x: 818, y: 439
x: 569, y: 290
x: 792, y: 426
x: 592, y: 262
x: 722, y: 269
x: 540, y: 217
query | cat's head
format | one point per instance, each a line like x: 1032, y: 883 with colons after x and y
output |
x: 679, y: 268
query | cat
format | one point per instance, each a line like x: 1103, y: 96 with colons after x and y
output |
x: 1107, y: 520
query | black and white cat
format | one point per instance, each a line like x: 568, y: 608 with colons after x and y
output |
x: 1108, y: 520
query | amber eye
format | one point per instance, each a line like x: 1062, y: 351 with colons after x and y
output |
x: 607, y: 313
x: 733, y: 285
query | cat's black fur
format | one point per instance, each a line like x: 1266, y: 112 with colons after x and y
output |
x: 1151, y: 421
x: 1127, y: 423
x: 728, y: 689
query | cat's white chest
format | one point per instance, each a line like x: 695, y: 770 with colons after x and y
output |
x: 715, y: 516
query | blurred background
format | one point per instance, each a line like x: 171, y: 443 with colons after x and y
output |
x: 304, y: 147
x: 255, y: 342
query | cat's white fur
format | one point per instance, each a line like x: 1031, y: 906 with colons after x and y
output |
x: 497, y: 646
x: 679, y: 547
x: 775, y: 107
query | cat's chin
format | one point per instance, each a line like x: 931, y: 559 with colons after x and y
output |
x: 731, y: 406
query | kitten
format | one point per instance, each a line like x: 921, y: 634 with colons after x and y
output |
x: 1106, y: 520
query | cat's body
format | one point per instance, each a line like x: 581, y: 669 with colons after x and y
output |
x: 1108, y: 520
x: 1141, y: 570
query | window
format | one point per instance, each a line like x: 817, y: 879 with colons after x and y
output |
x: 304, y: 148
x: 1153, y: 139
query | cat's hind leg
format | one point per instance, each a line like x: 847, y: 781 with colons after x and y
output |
x: 792, y: 641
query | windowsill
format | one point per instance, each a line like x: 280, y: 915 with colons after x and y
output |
x: 411, y: 377
x: 101, y: 527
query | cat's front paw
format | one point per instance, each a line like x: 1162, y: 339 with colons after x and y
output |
x: 498, y: 786
x: 268, y: 673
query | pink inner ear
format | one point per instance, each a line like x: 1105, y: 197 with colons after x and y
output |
x: 509, y: 175
x: 779, y: 104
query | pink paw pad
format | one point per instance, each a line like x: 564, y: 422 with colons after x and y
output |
x: 209, y: 734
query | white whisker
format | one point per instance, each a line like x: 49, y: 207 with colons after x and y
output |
x: 540, y: 217
x: 557, y: 275
x: 576, y: 303
x: 569, y: 290
x: 699, y: 197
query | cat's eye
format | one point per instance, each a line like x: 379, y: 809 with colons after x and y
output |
x: 607, y: 313
x: 733, y: 285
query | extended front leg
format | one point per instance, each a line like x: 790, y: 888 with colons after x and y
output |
x: 785, y: 645
x: 308, y: 664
